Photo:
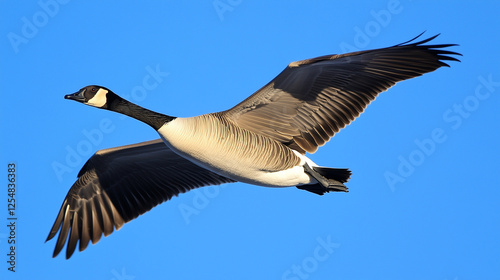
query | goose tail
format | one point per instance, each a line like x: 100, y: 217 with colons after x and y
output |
x: 329, y: 179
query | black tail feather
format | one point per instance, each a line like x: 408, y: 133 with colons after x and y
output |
x: 339, y: 174
x: 329, y: 179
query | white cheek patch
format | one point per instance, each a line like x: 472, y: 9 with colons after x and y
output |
x: 99, y: 98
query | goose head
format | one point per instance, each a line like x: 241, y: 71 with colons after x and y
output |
x: 95, y: 96
x: 103, y: 98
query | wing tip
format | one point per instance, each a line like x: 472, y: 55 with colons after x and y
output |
x: 437, y: 49
x: 422, y: 42
x: 70, y: 228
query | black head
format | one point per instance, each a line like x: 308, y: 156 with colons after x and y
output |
x: 95, y: 96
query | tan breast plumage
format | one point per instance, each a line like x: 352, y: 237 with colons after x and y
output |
x: 214, y: 140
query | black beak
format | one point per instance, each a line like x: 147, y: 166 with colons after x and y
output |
x: 77, y: 96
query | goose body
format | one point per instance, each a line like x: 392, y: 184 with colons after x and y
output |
x: 262, y: 141
x: 219, y: 145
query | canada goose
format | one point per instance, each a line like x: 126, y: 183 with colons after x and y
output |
x: 262, y: 140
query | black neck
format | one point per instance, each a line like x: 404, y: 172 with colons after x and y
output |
x: 153, y: 119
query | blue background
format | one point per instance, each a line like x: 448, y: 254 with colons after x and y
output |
x: 435, y: 137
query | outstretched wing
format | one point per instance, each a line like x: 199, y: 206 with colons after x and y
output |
x: 313, y: 99
x: 117, y: 185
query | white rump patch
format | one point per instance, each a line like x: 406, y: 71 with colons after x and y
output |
x: 304, y: 159
x: 99, y: 98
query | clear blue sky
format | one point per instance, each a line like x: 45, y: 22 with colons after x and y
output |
x: 425, y: 191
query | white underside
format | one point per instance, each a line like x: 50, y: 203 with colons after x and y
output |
x: 213, y: 158
x: 294, y: 176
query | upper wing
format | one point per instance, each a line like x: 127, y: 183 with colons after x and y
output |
x: 117, y: 185
x: 312, y: 99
